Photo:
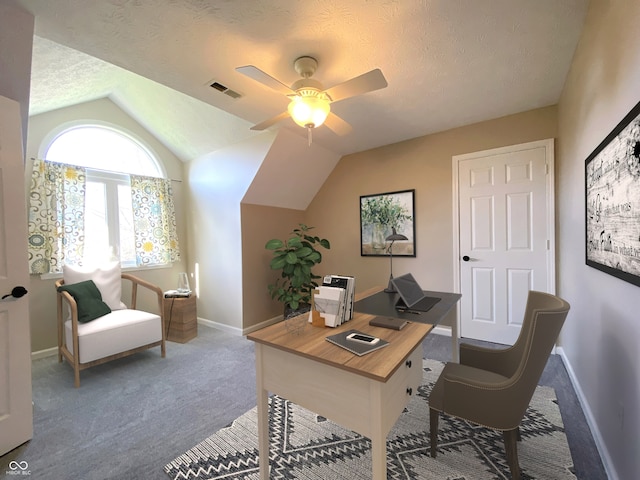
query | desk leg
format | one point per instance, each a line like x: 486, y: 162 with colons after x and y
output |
x: 263, y: 416
x: 378, y: 436
x: 455, y: 347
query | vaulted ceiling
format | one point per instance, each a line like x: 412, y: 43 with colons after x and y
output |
x: 448, y: 63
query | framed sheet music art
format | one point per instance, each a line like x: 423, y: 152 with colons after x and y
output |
x: 612, y: 188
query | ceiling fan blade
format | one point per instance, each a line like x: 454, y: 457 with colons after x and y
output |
x: 338, y: 125
x: 259, y: 76
x: 272, y: 121
x: 367, y: 82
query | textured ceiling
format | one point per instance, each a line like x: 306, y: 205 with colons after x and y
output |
x: 448, y: 62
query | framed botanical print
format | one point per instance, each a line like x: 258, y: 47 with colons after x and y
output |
x: 385, y: 214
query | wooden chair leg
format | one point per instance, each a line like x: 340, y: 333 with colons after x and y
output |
x: 76, y: 370
x: 434, y: 415
x: 511, y: 449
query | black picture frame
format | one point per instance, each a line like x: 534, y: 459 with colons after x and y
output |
x: 380, y: 215
x: 612, y: 202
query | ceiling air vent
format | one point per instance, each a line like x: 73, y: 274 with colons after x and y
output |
x: 223, y: 89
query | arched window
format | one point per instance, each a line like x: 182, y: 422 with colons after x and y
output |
x: 120, y: 210
x: 103, y: 148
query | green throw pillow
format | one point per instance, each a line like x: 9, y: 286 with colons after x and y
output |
x: 88, y: 299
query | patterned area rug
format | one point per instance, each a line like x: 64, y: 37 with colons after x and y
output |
x: 307, y: 446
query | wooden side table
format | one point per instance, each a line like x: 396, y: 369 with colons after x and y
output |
x: 180, y: 318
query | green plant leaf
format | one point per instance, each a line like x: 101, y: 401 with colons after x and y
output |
x: 294, y: 242
x: 278, y: 262
x: 303, y: 252
x: 274, y: 244
x: 291, y: 258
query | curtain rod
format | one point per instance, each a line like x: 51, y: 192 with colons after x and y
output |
x: 99, y: 169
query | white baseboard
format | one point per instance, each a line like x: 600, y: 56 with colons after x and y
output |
x: 593, y: 426
x: 266, y: 323
x: 439, y: 330
x: 235, y: 330
x: 220, y: 326
x: 47, y: 352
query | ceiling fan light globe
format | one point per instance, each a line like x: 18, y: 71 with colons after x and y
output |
x: 309, y: 112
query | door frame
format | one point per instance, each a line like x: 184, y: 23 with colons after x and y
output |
x: 17, y: 408
x: 548, y: 145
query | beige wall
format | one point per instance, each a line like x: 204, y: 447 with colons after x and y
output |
x: 42, y: 298
x: 259, y: 225
x: 423, y: 164
x: 602, y: 333
x: 217, y: 183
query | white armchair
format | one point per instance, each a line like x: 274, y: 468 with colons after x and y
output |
x: 99, y: 327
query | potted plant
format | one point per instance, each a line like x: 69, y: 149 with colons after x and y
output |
x: 295, y: 257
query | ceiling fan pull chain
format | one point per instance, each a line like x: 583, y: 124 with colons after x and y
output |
x: 309, y: 135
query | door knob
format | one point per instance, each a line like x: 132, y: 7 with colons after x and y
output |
x: 17, y: 292
x: 466, y: 258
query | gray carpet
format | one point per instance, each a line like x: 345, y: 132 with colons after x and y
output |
x: 135, y: 415
x: 307, y: 446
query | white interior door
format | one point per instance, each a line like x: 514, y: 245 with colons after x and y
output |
x: 506, y: 236
x: 16, y: 412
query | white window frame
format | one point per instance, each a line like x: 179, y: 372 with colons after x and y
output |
x: 50, y: 138
x: 111, y: 179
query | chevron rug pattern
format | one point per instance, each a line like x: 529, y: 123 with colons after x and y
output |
x: 307, y: 446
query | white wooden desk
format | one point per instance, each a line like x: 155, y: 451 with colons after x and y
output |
x: 365, y: 394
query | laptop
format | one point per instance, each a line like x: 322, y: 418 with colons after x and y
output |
x: 412, y: 297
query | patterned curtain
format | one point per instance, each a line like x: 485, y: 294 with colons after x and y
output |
x: 56, y: 216
x: 154, y: 221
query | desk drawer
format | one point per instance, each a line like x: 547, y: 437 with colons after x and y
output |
x: 399, y: 389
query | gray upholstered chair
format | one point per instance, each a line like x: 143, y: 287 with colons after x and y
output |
x: 493, y: 387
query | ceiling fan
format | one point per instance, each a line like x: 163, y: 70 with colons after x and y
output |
x: 310, y: 101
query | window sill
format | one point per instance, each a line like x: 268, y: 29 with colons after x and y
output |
x: 55, y: 276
